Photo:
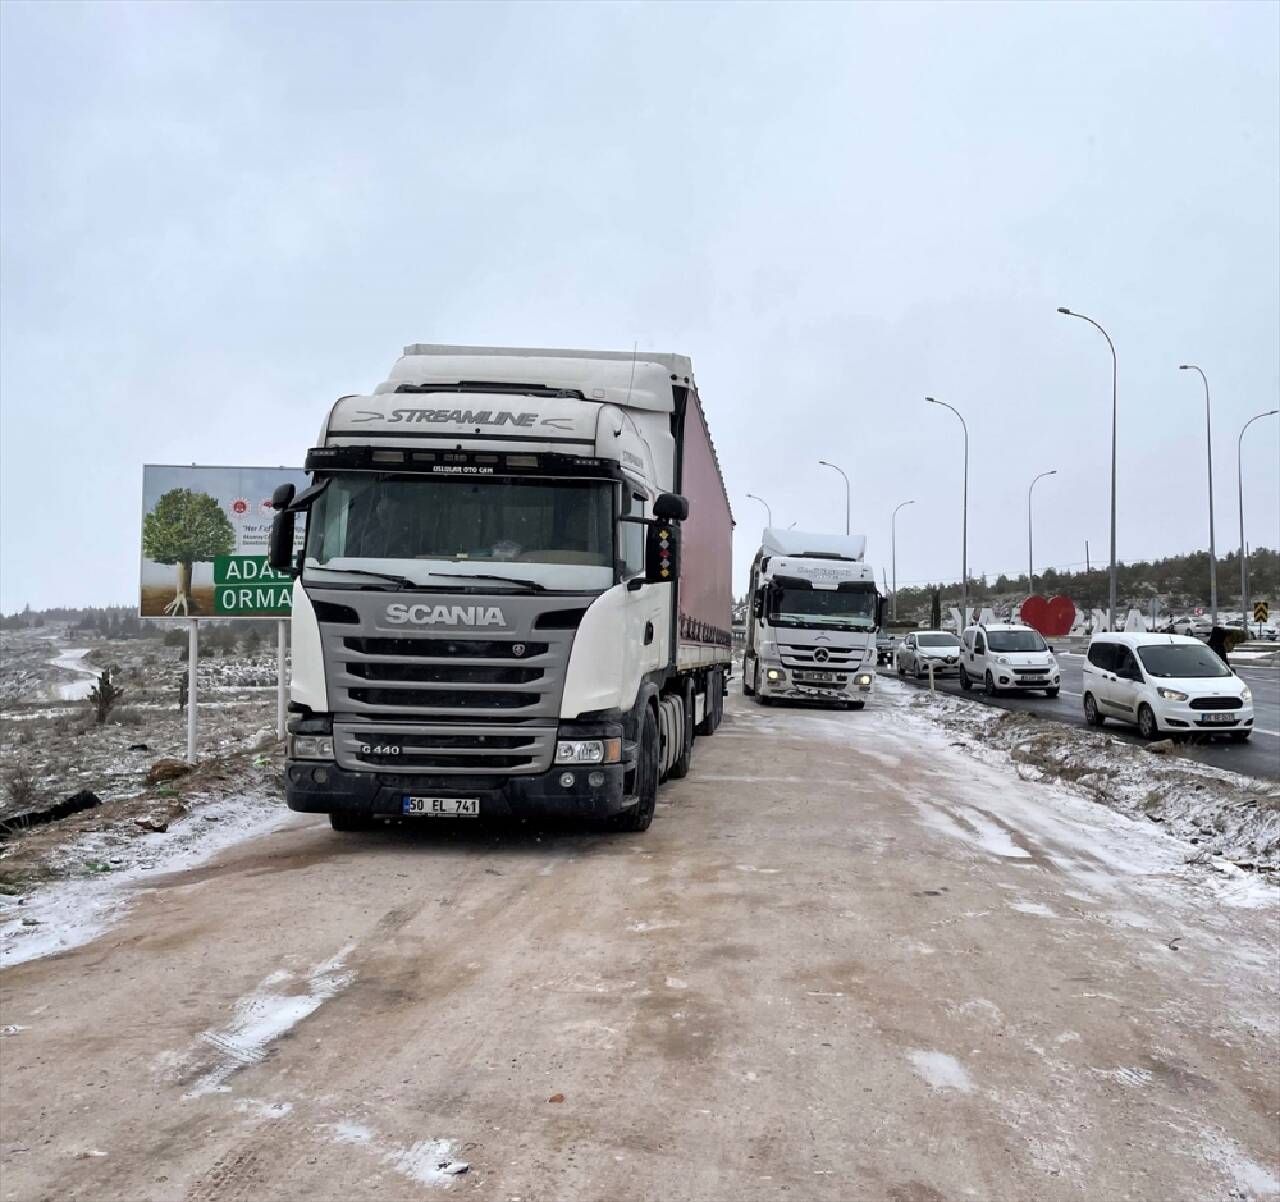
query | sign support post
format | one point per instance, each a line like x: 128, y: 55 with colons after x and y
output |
x: 193, y: 657
x: 281, y: 684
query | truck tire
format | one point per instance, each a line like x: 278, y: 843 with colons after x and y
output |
x: 747, y: 690
x: 713, y: 686
x: 350, y: 823
x: 639, y: 816
x: 680, y: 765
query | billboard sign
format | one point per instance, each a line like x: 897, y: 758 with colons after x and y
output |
x: 204, y: 542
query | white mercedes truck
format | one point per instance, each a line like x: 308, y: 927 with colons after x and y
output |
x: 514, y: 594
x: 812, y: 620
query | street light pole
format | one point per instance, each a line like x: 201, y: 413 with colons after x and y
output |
x: 752, y: 497
x: 1111, y: 604
x: 893, y: 543
x: 1208, y: 441
x: 1031, y: 580
x: 964, y: 520
x: 1244, y: 562
x: 846, y: 491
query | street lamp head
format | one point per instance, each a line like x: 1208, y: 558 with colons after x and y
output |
x: 930, y: 400
x: 1052, y: 472
x: 825, y: 463
x: 1066, y: 311
x: 1184, y: 366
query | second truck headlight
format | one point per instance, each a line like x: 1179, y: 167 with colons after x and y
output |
x: 588, y: 751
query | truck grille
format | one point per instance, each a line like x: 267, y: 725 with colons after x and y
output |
x: 422, y: 699
x: 802, y: 656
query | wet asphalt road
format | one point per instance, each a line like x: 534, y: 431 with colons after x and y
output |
x: 1259, y: 757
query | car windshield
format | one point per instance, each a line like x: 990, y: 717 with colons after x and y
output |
x: 387, y: 518
x: 1180, y: 660
x: 826, y: 607
x: 938, y: 640
x: 1014, y: 640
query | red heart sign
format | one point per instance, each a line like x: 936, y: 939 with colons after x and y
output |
x: 1052, y: 619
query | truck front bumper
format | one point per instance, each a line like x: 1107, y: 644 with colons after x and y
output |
x: 797, y: 684
x: 313, y: 787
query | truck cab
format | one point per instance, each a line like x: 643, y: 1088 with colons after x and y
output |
x: 812, y: 620
x: 489, y: 613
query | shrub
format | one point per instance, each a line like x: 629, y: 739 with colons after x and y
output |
x: 104, y: 696
x: 20, y: 787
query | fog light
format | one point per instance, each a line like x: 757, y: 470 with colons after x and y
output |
x: 320, y: 776
x: 595, y: 779
x: 1004, y: 680
x: 566, y: 780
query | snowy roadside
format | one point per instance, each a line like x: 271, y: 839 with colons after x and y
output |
x: 1218, y: 813
x: 66, y: 883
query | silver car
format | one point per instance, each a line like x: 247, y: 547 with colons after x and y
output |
x: 924, y: 647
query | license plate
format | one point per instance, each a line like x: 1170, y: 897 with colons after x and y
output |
x: 819, y: 677
x: 1218, y: 718
x: 442, y: 807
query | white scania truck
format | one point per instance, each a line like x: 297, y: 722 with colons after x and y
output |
x: 514, y: 594
x: 812, y: 619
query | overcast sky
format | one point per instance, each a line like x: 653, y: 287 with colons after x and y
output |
x: 218, y: 218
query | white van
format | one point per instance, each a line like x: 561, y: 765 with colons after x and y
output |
x: 1007, y: 657
x: 1164, y: 683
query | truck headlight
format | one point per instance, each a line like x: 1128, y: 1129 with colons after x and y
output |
x: 864, y: 680
x: 1172, y: 694
x: 774, y: 674
x: 311, y: 747
x: 588, y: 751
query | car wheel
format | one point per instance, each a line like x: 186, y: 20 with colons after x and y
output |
x: 919, y: 671
x: 639, y: 816
x: 1051, y: 692
x: 965, y: 682
x: 1239, y: 736
x: 901, y: 670
x: 990, y: 685
x: 1147, y: 726
x: 1091, y: 713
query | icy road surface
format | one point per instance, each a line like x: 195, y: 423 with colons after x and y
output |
x: 849, y: 961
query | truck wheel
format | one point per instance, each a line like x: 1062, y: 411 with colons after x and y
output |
x: 713, y: 691
x: 857, y: 705
x: 901, y: 670
x: 350, y: 823
x: 747, y: 690
x: 680, y: 767
x: 639, y: 816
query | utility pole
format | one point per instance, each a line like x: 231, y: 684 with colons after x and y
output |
x: 1208, y: 442
x: 964, y: 519
x: 893, y: 543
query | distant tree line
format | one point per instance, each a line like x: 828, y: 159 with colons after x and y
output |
x: 1180, y: 582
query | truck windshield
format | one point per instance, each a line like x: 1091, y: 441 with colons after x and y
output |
x: 389, y: 519
x: 825, y: 607
x: 1181, y: 660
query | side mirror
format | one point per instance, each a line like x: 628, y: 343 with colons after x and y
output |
x: 670, y: 507
x: 662, y: 551
x: 757, y: 604
x: 880, y: 607
x: 280, y: 544
x: 283, y: 496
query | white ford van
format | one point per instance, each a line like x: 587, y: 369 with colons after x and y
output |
x: 1164, y: 682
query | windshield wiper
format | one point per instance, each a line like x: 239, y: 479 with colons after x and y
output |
x: 532, y: 585
x: 402, y: 581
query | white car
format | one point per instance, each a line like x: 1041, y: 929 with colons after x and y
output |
x: 1008, y: 658
x: 921, y: 648
x: 1164, y: 683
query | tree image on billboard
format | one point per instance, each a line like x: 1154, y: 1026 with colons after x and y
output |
x: 186, y: 528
